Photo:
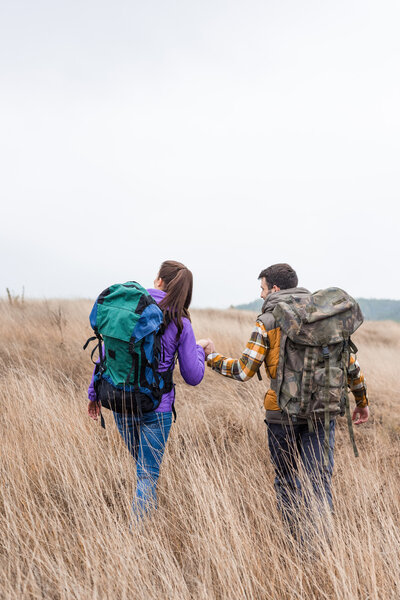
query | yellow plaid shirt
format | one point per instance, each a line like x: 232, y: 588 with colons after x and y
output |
x: 253, y: 356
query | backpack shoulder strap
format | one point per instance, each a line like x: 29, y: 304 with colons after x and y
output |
x: 268, y: 320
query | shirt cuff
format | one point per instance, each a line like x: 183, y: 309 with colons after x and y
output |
x: 210, y: 358
x: 362, y: 402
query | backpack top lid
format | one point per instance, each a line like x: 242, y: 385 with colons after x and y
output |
x: 326, y: 317
x: 125, y: 311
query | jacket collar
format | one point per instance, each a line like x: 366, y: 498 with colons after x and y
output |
x: 282, y: 296
x: 158, y: 295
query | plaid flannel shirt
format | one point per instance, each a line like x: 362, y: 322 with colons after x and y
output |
x: 253, y: 356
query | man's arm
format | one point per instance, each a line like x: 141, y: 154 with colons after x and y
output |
x: 243, y: 368
x: 358, y: 387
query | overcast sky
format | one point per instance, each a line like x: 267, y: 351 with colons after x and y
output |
x: 229, y: 135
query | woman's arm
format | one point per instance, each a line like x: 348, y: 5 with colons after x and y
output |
x: 91, y: 393
x: 190, y: 355
x: 94, y: 407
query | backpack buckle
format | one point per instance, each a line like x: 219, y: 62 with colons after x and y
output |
x: 325, y: 352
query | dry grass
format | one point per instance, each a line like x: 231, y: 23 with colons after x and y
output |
x: 67, y: 484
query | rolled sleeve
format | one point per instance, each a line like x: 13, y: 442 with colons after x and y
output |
x: 253, y: 356
x: 356, y: 382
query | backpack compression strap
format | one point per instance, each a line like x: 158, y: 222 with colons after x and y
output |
x: 310, y: 358
x: 326, y: 355
x: 345, y: 361
x: 99, y: 346
x: 135, y: 370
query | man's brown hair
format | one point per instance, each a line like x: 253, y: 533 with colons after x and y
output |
x: 282, y: 275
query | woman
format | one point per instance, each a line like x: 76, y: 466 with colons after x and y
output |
x: 146, y: 436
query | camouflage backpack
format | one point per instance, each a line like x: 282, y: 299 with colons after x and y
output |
x: 314, y: 355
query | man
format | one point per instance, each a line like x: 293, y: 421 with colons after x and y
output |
x: 290, y: 440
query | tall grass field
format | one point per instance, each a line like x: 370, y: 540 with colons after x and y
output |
x: 67, y: 484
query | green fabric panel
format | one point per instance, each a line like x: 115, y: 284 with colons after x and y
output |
x: 116, y: 321
x: 116, y: 315
x: 117, y: 368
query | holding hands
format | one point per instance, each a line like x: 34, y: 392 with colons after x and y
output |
x: 207, y: 345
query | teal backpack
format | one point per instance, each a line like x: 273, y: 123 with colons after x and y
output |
x: 128, y: 325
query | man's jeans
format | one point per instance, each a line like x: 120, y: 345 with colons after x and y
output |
x: 292, y: 446
x: 145, y: 437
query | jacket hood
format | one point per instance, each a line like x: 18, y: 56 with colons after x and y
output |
x: 282, y: 296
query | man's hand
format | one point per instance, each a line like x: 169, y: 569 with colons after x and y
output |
x: 94, y: 410
x: 360, y: 415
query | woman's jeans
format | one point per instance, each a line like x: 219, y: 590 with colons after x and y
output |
x: 145, y: 437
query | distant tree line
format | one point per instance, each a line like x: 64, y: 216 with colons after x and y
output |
x: 380, y: 310
x: 373, y: 309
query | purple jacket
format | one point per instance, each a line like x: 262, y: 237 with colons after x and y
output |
x: 190, y: 356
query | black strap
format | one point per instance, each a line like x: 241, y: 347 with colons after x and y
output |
x: 136, y: 383
x: 99, y: 367
x: 135, y: 370
x: 101, y: 357
x: 134, y: 357
x: 166, y: 376
x: 93, y: 351
x: 88, y: 341
x: 259, y: 375
x: 99, y: 346
x: 159, y: 352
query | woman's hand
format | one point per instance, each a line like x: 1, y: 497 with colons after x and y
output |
x: 94, y: 409
x: 207, y: 345
x: 209, y: 348
x: 203, y: 343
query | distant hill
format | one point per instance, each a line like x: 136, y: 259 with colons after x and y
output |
x: 380, y: 310
x: 255, y: 305
x: 373, y: 309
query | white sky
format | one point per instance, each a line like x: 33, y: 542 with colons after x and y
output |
x: 228, y: 135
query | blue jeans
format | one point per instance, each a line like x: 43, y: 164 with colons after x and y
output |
x: 145, y: 438
x: 290, y: 445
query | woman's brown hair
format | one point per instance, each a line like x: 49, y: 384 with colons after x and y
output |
x: 178, y: 285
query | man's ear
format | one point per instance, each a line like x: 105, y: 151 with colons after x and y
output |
x: 275, y: 288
